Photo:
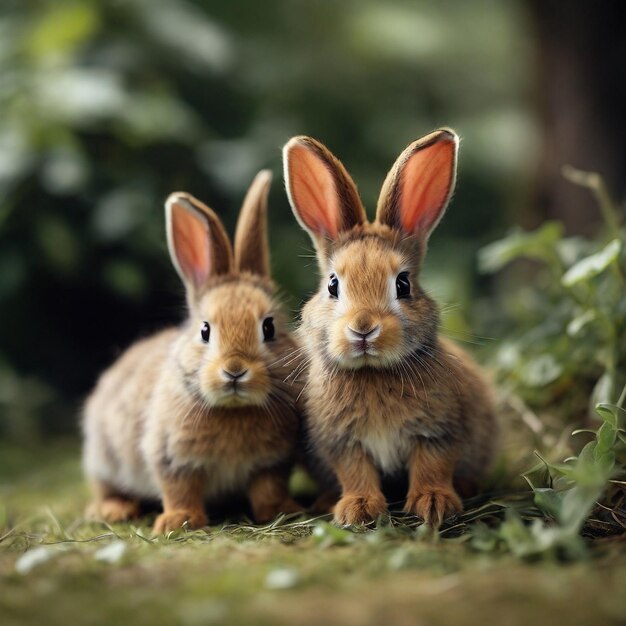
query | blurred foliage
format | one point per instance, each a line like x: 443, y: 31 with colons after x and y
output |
x: 109, y: 105
x: 567, y: 344
x: 565, y: 497
x: 570, y: 339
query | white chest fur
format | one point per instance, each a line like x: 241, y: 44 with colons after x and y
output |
x: 389, y: 449
x: 224, y: 478
x: 390, y: 445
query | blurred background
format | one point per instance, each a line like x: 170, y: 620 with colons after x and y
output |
x: 109, y: 105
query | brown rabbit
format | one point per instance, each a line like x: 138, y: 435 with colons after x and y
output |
x: 200, y: 411
x: 385, y: 393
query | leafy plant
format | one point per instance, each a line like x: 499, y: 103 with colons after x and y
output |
x: 572, y: 321
x: 572, y: 337
x: 572, y: 492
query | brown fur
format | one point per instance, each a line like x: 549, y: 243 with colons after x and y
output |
x: 268, y: 494
x: 390, y: 200
x: 362, y: 498
x: 164, y: 422
x: 323, y: 182
x: 410, y: 401
x: 251, y: 246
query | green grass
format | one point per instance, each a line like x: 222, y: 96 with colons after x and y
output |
x: 294, y: 571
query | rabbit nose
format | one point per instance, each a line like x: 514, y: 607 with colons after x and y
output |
x: 362, y: 326
x: 233, y: 376
x: 369, y: 334
x: 234, y: 369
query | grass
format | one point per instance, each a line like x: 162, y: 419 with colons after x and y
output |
x: 293, y: 571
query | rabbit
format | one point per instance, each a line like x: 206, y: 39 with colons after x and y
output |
x: 200, y: 411
x: 385, y: 395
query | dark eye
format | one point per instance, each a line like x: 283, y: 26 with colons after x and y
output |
x: 403, y: 286
x: 268, y: 329
x: 205, y: 333
x: 333, y: 286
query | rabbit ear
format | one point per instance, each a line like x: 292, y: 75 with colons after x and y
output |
x: 322, y: 194
x: 418, y: 187
x: 251, y: 247
x: 197, y: 241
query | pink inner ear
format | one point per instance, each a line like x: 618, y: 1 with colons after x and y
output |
x: 313, y: 192
x: 427, y: 179
x: 191, y: 245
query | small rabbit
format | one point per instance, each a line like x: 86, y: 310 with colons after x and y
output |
x: 200, y: 411
x: 385, y: 393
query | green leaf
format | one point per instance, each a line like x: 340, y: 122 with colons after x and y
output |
x: 483, y: 538
x: 606, y: 436
x: 592, y: 265
x: 580, y: 321
x: 610, y: 413
x: 576, y: 505
x: 539, y: 244
x: 553, y: 469
x: 61, y: 28
x: 549, y: 501
x: 125, y: 278
x: 605, y: 463
x: 541, y: 370
x: 514, y: 532
x: 586, y: 456
x: 325, y: 535
x: 58, y: 242
x: 603, y: 390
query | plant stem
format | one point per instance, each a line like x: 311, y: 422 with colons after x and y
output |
x: 622, y: 398
x: 594, y: 182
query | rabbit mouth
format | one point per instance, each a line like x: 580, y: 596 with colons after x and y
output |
x: 359, y: 362
x: 236, y: 394
x: 363, y: 348
x: 361, y: 356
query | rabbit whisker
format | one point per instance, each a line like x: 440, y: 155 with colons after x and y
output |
x: 293, y: 354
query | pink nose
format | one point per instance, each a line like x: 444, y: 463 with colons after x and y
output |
x: 363, y: 327
x: 234, y: 369
x: 234, y: 376
x: 358, y: 335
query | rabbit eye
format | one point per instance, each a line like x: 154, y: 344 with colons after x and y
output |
x: 333, y: 286
x: 268, y: 329
x: 403, y: 286
x: 205, y: 333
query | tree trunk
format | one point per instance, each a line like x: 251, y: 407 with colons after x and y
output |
x: 581, y: 94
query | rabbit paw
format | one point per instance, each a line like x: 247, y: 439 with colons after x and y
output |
x: 266, y: 512
x: 173, y: 520
x: 356, y: 509
x: 113, y: 510
x: 434, y: 504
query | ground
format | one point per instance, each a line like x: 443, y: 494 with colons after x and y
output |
x: 294, y: 571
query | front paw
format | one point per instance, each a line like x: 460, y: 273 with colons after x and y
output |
x: 173, y: 520
x: 266, y: 512
x: 355, y: 509
x: 113, y: 510
x: 434, y: 504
